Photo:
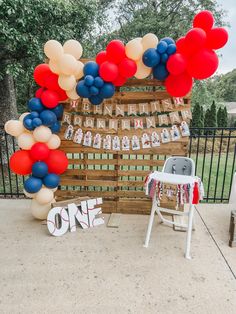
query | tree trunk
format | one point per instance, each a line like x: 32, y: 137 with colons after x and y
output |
x: 8, y: 109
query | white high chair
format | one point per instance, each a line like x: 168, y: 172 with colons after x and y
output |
x: 176, y: 170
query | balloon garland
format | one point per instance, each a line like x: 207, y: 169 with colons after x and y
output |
x: 65, y: 76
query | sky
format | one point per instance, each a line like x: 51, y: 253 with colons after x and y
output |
x: 228, y: 59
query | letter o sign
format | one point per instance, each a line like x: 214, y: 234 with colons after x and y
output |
x: 52, y: 224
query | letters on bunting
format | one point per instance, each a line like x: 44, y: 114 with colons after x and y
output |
x: 142, y: 125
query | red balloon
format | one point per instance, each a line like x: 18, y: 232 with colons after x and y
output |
x: 127, y: 67
x: 21, y: 163
x: 204, y: 20
x: 176, y: 64
x: 203, y: 64
x: 61, y: 95
x: 39, y: 151
x: 57, y: 161
x: 101, y: 57
x: 41, y: 72
x: 180, y: 44
x: 216, y: 38
x: 119, y: 81
x: 39, y: 92
x: 51, y: 82
x: 195, y: 39
x: 108, y: 71
x: 115, y: 51
x: 179, y: 85
x: 49, y: 99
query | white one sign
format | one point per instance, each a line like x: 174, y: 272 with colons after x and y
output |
x: 59, y: 219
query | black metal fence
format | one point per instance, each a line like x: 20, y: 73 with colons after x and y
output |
x: 212, y: 149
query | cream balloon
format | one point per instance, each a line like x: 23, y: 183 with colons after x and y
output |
x: 44, y: 196
x: 72, y: 94
x: 79, y: 70
x: 14, y: 127
x: 30, y: 195
x: 54, y: 142
x: 25, y: 141
x: 73, y: 47
x: 54, y: 67
x: 42, y: 134
x: 142, y: 70
x: 149, y: 41
x: 21, y: 118
x: 134, y: 49
x: 39, y: 211
x: 67, y: 64
x: 53, y: 49
x: 67, y: 82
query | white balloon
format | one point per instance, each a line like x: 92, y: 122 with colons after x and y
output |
x: 67, y: 82
x: 67, y: 64
x: 53, y: 49
x: 149, y: 41
x: 30, y: 195
x: 142, y: 70
x: 42, y: 134
x: 134, y: 49
x: 40, y: 211
x: 44, y: 196
x: 54, y: 142
x: 73, y: 47
x: 54, y: 67
x: 21, y: 118
x: 14, y: 127
x: 25, y: 141
x: 72, y: 94
x: 79, y: 70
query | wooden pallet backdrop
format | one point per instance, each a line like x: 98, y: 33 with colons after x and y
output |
x: 118, y: 177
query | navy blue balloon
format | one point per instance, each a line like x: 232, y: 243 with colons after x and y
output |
x: 88, y: 80
x: 28, y: 122
x: 98, y: 82
x: 91, y: 68
x: 58, y: 110
x: 93, y: 90
x: 96, y: 100
x: 39, y: 169
x: 51, y: 180
x: 34, y: 114
x: 171, y: 49
x: 36, y: 122
x: 48, y: 117
x: 164, y: 57
x: 151, y: 57
x: 55, y: 128
x: 35, y: 104
x: 107, y: 90
x: 82, y: 90
x: 160, y: 72
x: 162, y: 46
x: 168, y: 40
x: 33, y: 184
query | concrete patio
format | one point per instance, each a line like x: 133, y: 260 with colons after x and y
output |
x: 107, y: 270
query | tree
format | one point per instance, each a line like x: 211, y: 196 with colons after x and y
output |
x: 222, y: 117
x: 219, y: 117
x: 197, y: 118
x: 173, y: 18
x: 25, y: 25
